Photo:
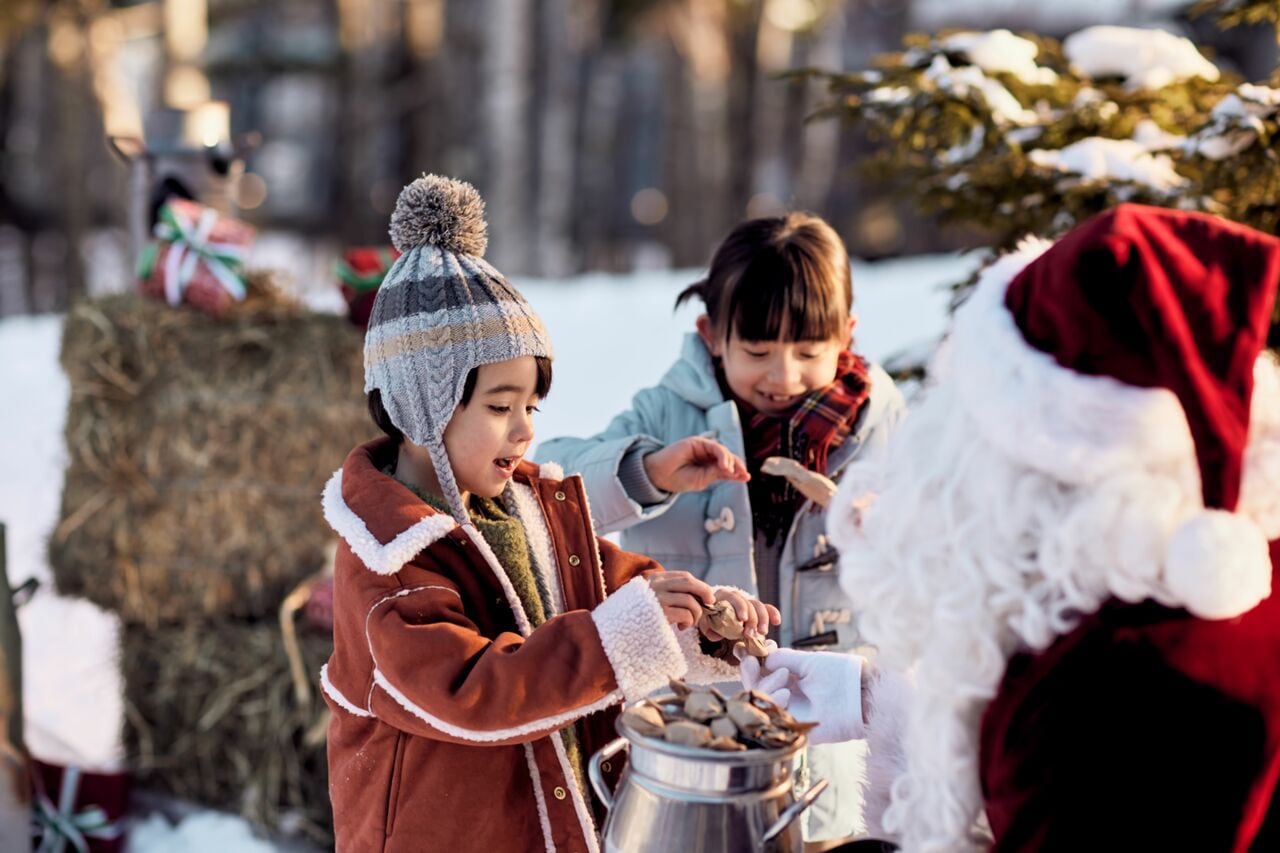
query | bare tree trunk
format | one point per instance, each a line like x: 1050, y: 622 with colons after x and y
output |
x: 428, y: 120
x: 778, y: 122
x: 369, y: 153
x: 744, y: 37
x: 73, y: 107
x: 687, y: 200
x: 818, y: 163
x: 867, y: 27
x: 508, y: 64
x: 701, y: 207
x: 560, y: 45
x: 597, y: 202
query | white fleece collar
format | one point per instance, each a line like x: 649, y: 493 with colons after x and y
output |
x: 380, y: 558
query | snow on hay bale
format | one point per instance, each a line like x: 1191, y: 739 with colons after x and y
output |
x: 197, y: 450
x: 214, y: 718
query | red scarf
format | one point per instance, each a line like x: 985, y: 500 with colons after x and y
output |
x: 818, y: 424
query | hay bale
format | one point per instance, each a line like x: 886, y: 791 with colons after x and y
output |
x: 212, y: 717
x: 197, y: 452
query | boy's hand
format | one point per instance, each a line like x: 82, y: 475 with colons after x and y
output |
x: 691, y: 464
x: 681, y: 596
x: 755, y: 615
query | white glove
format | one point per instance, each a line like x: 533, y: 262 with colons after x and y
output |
x: 825, y: 688
x: 772, y: 684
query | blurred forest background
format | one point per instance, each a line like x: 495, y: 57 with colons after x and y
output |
x: 605, y: 134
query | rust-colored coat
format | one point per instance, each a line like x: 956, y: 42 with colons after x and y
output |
x: 446, y: 703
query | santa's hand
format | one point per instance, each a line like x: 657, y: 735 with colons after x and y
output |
x: 772, y: 683
x: 825, y: 688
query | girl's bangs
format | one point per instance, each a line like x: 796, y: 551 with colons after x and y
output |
x: 776, y: 298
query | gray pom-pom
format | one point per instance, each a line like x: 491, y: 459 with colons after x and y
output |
x: 442, y: 212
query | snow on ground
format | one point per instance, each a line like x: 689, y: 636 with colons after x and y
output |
x: 204, y: 832
x: 613, y: 335
x: 35, y: 412
x: 1147, y: 59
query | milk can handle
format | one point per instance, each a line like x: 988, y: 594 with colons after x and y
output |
x: 609, y: 750
x: 793, y: 811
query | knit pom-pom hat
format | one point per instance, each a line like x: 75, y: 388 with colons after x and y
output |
x: 441, y: 312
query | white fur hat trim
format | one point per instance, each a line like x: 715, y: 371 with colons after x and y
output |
x: 1218, y: 565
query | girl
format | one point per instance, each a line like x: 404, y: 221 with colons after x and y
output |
x: 768, y: 373
x: 483, y: 636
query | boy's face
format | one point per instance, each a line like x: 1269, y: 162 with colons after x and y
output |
x: 772, y: 376
x: 489, y: 435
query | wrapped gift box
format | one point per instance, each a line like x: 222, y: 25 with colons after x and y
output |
x: 198, y: 258
x: 360, y: 274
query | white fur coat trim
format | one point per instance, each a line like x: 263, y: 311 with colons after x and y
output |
x: 639, y: 643
x: 336, y: 695
x: 585, y: 820
x: 544, y: 816
x: 543, y: 724
x: 551, y: 470
x: 379, y: 558
x: 521, y: 503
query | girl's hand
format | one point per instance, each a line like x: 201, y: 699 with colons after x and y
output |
x: 755, y: 615
x: 681, y: 596
x: 691, y: 464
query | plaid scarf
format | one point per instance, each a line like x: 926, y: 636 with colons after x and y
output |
x: 818, y: 424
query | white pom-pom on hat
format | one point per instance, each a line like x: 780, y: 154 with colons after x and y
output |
x: 441, y: 212
x: 1218, y: 565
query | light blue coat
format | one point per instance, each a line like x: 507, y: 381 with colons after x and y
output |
x: 709, y: 533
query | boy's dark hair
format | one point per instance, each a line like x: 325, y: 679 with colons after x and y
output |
x: 541, y: 387
x: 791, y: 269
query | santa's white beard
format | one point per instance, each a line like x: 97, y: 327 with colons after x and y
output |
x: 966, y: 556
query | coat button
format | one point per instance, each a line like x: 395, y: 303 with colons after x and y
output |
x: 560, y: 793
x: 606, y: 766
x: 574, y: 560
x: 559, y: 495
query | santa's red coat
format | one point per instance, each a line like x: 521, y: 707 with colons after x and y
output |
x: 1144, y: 729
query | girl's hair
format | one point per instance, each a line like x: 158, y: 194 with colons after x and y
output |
x: 778, y: 270
x: 541, y: 387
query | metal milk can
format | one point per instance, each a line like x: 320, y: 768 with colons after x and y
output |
x: 681, y: 798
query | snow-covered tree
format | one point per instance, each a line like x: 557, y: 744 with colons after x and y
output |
x: 1233, y: 13
x: 1023, y: 134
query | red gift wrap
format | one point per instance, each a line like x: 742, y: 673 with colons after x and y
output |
x: 360, y: 273
x: 198, y: 258
x: 78, y: 810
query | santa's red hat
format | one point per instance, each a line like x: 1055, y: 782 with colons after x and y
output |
x: 1133, y: 344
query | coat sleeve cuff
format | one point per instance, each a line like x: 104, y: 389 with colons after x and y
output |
x: 640, y: 645
x: 635, y: 479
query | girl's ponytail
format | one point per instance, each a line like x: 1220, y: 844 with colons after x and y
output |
x: 697, y: 289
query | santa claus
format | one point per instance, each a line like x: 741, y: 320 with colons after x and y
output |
x: 1071, y: 546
